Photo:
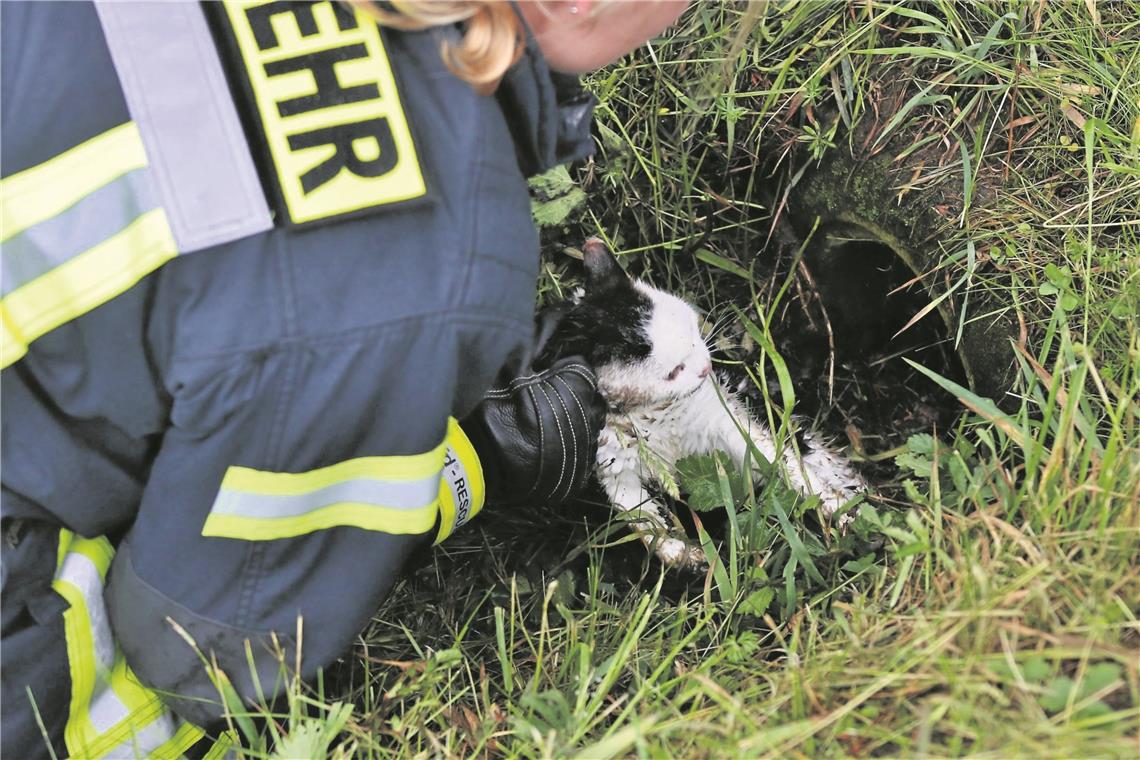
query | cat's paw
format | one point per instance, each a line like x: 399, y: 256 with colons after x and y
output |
x: 830, y: 506
x: 833, y: 499
x: 677, y: 553
x: 833, y: 477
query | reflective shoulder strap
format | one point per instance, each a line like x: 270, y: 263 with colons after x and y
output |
x: 173, y: 82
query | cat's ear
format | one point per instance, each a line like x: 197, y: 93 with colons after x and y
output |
x: 602, y: 270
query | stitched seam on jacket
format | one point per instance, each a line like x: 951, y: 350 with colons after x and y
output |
x: 473, y: 195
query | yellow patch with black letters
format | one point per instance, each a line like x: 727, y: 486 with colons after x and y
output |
x: 330, y: 113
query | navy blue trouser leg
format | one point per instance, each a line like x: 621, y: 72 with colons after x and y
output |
x: 33, y: 653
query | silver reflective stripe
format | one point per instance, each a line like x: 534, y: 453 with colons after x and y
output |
x: 80, y: 571
x: 106, y: 709
x: 145, y: 740
x: 45, y: 246
x: 172, y: 79
x: 396, y: 494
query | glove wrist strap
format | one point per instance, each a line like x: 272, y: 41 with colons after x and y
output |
x: 462, y: 489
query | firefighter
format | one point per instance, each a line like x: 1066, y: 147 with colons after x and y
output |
x: 262, y: 264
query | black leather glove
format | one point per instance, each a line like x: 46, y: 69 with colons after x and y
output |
x: 536, y: 431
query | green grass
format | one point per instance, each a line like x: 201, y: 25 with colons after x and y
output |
x: 986, y: 600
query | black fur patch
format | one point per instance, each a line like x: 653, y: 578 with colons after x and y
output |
x: 610, y: 323
x: 616, y: 326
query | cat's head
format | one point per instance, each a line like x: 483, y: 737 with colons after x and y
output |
x: 645, y: 344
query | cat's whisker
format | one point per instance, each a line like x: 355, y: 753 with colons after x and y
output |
x: 720, y: 322
x: 714, y: 338
x: 720, y: 327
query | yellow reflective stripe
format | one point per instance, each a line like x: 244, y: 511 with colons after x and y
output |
x: 43, y: 191
x: 471, y: 465
x: 144, y: 724
x: 98, y: 550
x: 182, y: 740
x: 395, y: 494
x: 65, y: 539
x: 222, y: 745
x: 136, y: 735
x: 86, y: 281
x: 110, y: 711
x: 413, y: 467
x: 365, y: 516
x: 462, y: 489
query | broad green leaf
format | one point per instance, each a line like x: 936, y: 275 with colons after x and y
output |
x: 917, y: 464
x: 555, y: 196
x: 1056, y: 694
x: 1100, y: 675
x: 697, y: 476
x: 921, y: 443
x: 757, y: 602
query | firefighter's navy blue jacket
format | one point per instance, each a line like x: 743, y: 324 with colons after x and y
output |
x: 178, y: 421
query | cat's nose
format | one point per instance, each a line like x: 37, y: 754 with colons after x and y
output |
x: 705, y: 372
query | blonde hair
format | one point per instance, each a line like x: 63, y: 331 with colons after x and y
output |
x: 493, y: 37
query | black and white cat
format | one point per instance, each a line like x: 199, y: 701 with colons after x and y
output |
x: 666, y: 402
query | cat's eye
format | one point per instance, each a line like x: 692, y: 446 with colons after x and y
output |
x: 676, y: 371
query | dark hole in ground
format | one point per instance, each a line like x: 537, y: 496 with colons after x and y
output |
x: 840, y: 338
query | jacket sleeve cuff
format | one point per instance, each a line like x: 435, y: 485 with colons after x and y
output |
x: 462, y: 490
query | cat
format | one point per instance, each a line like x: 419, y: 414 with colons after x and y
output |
x: 656, y: 375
